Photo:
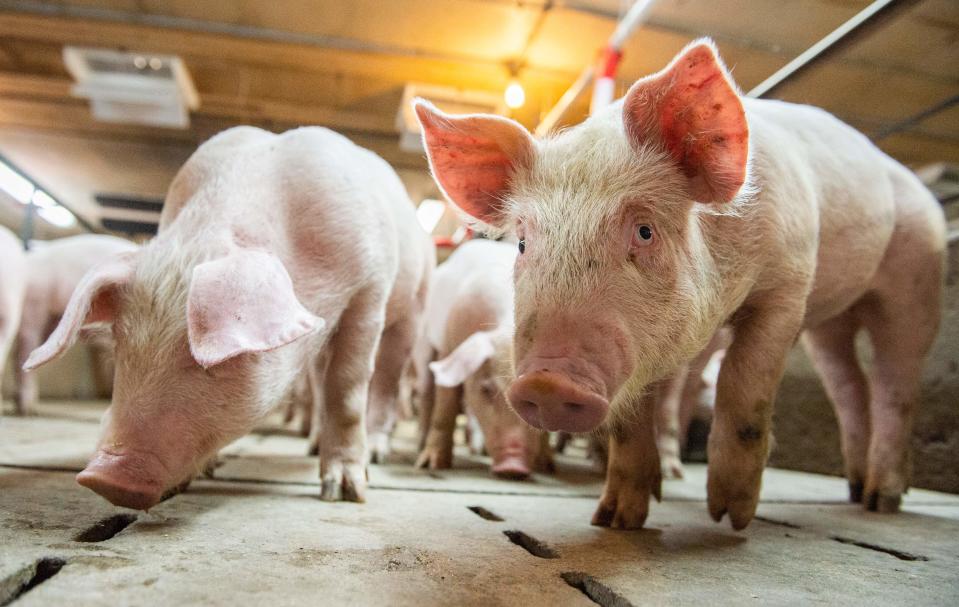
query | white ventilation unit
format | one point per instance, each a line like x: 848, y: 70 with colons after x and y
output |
x: 133, y: 88
x: 448, y: 99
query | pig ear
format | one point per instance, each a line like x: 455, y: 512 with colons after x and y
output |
x: 241, y: 303
x: 464, y: 361
x: 693, y: 110
x: 473, y: 157
x: 93, y: 301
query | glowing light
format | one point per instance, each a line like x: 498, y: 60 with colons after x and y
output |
x: 155, y: 63
x: 48, y: 208
x: 514, y: 96
x: 429, y: 213
x: 15, y: 184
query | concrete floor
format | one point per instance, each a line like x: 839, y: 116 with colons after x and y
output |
x: 257, y: 532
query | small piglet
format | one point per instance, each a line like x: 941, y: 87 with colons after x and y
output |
x: 470, y: 326
x: 54, y: 269
x: 680, y: 209
x: 273, y: 250
x: 13, y: 279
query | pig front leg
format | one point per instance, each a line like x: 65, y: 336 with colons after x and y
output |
x: 343, y: 455
x: 437, y: 453
x: 740, y: 436
x: 633, y: 473
x: 668, y: 397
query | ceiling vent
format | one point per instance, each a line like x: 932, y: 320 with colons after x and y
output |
x: 133, y: 88
x: 450, y: 100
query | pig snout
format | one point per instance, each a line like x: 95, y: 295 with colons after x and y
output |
x: 511, y: 455
x: 550, y: 399
x: 131, y: 480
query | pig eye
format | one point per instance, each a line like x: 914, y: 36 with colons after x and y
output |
x: 643, y: 236
x: 522, y: 246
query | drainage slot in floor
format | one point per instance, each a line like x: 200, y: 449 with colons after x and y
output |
x: 899, y: 554
x: 28, y: 578
x: 773, y: 521
x: 106, y: 529
x: 531, y: 544
x: 594, y: 590
x: 484, y: 513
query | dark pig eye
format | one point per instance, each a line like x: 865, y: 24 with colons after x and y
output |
x: 522, y: 246
x: 643, y: 236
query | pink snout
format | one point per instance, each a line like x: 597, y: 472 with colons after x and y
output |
x: 131, y: 480
x: 512, y: 467
x: 552, y: 401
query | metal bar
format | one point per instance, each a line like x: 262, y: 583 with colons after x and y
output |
x: 26, y: 226
x: 80, y: 219
x: 915, y: 119
x: 633, y: 18
x: 875, y: 13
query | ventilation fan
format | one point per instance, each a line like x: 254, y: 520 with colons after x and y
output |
x: 133, y: 88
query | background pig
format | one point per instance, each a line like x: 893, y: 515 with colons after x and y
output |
x: 273, y: 250
x: 12, y: 287
x: 470, y: 325
x: 53, y: 271
x: 685, y: 207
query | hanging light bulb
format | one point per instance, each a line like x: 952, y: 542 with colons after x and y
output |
x: 514, y: 96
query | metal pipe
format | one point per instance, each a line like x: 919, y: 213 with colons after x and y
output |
x: 605, y: 85
x: 915, y: 119
x: 816, y: 52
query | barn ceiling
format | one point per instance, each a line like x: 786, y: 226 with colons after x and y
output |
x: 344, y: 63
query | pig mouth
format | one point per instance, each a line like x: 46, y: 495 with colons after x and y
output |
x: 131, y: 480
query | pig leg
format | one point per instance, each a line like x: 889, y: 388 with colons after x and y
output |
x: 393, y: 357
x: 26, y: 395
x: 343, y: 454
x: 316, y: 382
x: 902, y: 323
x: 426, y: 395
x: 740, y: 436
x: 633, y: 472
x: 437, y: 454
x: 668, y: 396
x: 832, y: 348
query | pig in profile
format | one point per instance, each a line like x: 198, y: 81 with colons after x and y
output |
x: 470, y: 326
x: 13, y: 277
x: 273, y: 250
x: 685, y: 207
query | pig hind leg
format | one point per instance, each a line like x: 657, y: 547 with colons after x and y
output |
x: 392, y: 360
x: 832, y: 348
x: 902, y: 320
x: 353, y: 347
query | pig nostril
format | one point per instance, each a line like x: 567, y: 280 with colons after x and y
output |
x: 573, y: 408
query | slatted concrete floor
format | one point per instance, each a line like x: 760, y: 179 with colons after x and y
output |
x: 256, y: 532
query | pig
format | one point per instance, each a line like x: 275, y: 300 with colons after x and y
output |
x: 53, y: 271
x: 470, y: 326
x: 274, y: 251
x: 13, y: 277
x: 682, y: 208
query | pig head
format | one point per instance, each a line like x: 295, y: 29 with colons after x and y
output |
x: 616, y: 280
x: 200, y: 349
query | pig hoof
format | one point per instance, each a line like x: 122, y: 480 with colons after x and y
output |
x: 434, y: 458
x: 855, y: 493
x: 379, y: 448
x: 740, y: 511
x: 313, y: 450
x: 348, y: 484
x: 614, y: 516
x: 885, y: 504
x: 672, y: 468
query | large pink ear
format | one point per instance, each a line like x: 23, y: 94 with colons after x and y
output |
x: 93, y: 301
x: 693, y: 110
x: 473, y: 157
x: 243, y: 302
x: 464, y: 361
